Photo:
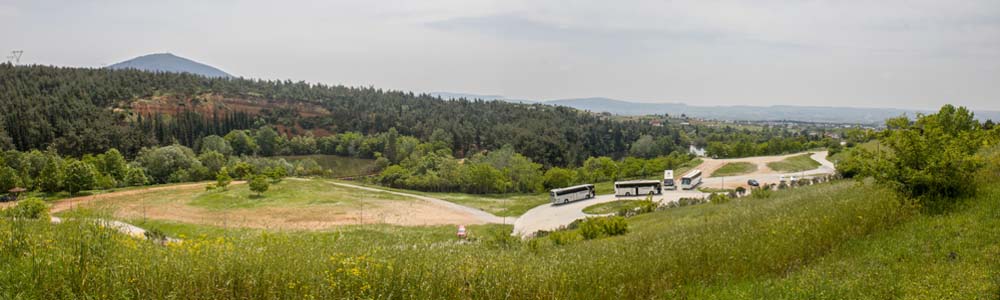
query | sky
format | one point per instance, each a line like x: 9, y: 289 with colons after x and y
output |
x: 904, y: 54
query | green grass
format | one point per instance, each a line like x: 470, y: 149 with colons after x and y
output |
x: 953, y: 255
x: 734, y: 168
x: 667, y: 253
x: 289, y: 192
x: 339, y: 166
x: 611, y: 207
x: 714, y: 190
x: 796, y: 163
x: 502, y: 205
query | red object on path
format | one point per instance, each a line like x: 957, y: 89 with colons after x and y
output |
x: 461, y: 231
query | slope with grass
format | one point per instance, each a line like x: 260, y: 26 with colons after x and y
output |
x: 683, y: 251
x: 796, y: 163
x: 735, y: 168
x: 611, y: 207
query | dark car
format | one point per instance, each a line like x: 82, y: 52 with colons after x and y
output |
x: 753, y: 182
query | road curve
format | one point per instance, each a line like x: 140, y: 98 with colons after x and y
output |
x: 549, y: 217
x: 483, y: 216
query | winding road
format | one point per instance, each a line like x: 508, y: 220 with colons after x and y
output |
x: 550, y: 217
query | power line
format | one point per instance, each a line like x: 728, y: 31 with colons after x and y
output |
x: 15, y: 56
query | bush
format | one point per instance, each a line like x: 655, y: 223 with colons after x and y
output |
x: 259, y: 184
x: 30, y: 208
x: 593, y: 228
x: 563, y: 237
x: 718, y: 198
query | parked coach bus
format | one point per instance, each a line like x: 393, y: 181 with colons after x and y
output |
x: 668, y: 180
x: 573, y: 193
x: 638, y: 187
x: 691, y: 180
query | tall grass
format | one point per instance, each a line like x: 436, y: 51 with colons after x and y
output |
x: 664, y: 251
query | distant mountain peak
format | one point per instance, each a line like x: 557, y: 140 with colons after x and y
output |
x: 168, y: 62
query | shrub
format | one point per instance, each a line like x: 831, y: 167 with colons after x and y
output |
x: 30, y: 208
x: 593, y: 228
x: 259, y: 184
x: 563, y: 237
x: 136, y: 176
x: 718, y: 198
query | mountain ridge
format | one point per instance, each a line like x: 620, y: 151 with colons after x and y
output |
x: 821, y: 114
x: 168, y: 62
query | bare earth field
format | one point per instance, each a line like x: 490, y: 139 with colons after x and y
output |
x: 292, y: 204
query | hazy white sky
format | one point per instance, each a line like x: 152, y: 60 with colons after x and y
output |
x: 907, y: 54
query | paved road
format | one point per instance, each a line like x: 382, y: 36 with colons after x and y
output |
x: 826, y: 167
x: 483, y: 216
x: 549, y: 217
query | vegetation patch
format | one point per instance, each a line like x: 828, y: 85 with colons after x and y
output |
x: 290, y: 193
x: 612, y: 207
x: 735, y: 168
x: 336, y: 165
x: 796, y: 163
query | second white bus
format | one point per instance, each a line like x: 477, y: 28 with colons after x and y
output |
x: 637, y: 188
x: 691, y: 180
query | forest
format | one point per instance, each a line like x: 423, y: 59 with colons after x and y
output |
x: 78, y: 111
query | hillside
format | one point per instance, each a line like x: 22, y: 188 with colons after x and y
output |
x: 166, y: 62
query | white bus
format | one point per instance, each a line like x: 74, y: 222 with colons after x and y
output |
x: 638, y: 187
x: 573, y: 193
x: 691, y: 180
x: 668, y: 180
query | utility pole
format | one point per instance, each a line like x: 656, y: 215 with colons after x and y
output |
x: 15, y: 56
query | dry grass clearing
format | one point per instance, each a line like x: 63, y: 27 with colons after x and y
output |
x: 291, y: 204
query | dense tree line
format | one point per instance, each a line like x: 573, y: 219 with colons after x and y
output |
x: 72, y: 109
x: 51, y: 173
x: 931, y: 158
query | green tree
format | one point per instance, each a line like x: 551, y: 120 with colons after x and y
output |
x: 169, y: 163
x: 50, y: 178
x: 8, y: 178
x: 79, y: 176
x: 243, y: 170
x: 269, y: 141
x: 212, y: 160
x: 112, y: 163
x: 924, y: 158
x: 557, y: 177
x: 222, y: 179
x: 136, y: 176
x: 241, y: 143
x: 276, y: 173
x: 259, y: 184
x: 644, y: 147
x: 217, y: 144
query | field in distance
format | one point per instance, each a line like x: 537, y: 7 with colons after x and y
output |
x: 291, y: 204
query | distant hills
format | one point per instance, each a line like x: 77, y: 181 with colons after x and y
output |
x: 738, y: 113
x: 166, y: 62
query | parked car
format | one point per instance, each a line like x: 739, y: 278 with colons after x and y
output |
x: 753, y: 183
x: 6, y: 198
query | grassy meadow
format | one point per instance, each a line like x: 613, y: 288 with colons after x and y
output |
x: 809, y: 239
x: 289, y: 193
x: 610, y: 207
x: 734, y: 168
x: 796, y: 163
